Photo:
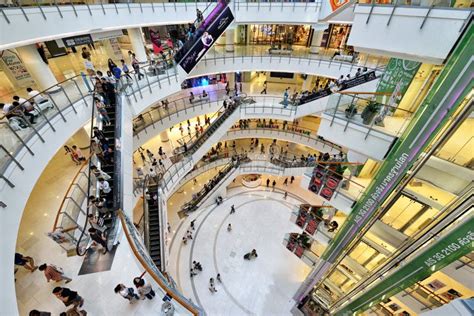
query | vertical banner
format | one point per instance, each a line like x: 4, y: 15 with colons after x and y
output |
x: 15, y: 70
x: 397, y: 77
x: 211, y: 28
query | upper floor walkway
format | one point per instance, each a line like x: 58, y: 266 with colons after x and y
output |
x: 26, y: 25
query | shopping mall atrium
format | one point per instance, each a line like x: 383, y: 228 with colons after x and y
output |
x: 237, y: 157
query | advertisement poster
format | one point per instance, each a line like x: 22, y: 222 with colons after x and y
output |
x: 15, y: 70
x: 205, y: 37
x: 397, y: 77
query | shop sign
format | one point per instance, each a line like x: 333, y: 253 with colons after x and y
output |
x: 77, y: 40
x: 16, y: 70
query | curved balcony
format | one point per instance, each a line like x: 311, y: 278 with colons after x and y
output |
x: 39, y: 23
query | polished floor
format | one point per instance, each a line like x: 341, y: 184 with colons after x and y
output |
x: 263, y: 286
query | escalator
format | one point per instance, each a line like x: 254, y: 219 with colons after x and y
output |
x: 152, y: 222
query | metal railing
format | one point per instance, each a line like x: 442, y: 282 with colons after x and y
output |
x: 368, y: 113
x: 17, y: 129
x: 181, y: 304
x: 63, y: 8
x: 326, y: 57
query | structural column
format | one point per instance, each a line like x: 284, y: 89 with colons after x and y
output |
x: 164, y: 136
x: 229, y: 39
x: 35, y: 65
x: 138, y: 45
x: 317, y: 38
x: 307, y: 83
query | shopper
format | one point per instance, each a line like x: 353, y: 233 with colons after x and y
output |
x: 52, y: 272
x: 218, y: 278
x: 102, y: 111
x: 126, y: 70
x: 78, y: 153
x: 268, y: 183
x: 273, y: 184
x: 212, y: 286
x: 98, y: 238
x: 229, y: 227
x: 136, y: 66
x: 144, y: 289
x: 68, y: 297
x: 232, y: 209
x: 285, y: 97
x: 285, y: 182
x: 127, y: 293
x: 292, y: 179
x: 26, y: 262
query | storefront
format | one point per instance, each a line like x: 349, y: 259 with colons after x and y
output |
x: 335, y: 36
x: 268, y: 34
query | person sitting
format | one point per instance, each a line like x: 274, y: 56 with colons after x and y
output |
x: 332, y: 226
x: 204, y: 94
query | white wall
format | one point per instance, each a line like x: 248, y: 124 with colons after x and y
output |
x: 20, y: 32
x: 403, y: 37
x: 375, y: 146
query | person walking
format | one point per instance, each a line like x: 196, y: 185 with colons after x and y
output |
x: 264, y: 91
x: 292, y: 179
x: 144, y: 289
x: 232, y: 209
x: 98, y: 238
x: 212, y: 286
x: 229, y: 227
x: 192, y: 224
x: 218, y: 278
x: 285, y: 182
x: 52, y: 272
x: 189, y: 234
x: 273, y: 184
x: 126, y: 292
x: 268, y: 183
x: 285, y: 98
x: 68, y: 297
x: 26, y: 262
x: 136, y: 66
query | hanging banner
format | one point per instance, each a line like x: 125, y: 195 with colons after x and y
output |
x: 398, y: 75
x: 211, y: 28
x: 15, y: 70
x: 459, y: 242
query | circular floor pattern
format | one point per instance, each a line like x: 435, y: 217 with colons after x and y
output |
x: 259, y: 287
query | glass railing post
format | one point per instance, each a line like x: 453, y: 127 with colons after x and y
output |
x: 335, y: 109
x: 148, y: 81
x: 68, y: 99
x: 138, y: 85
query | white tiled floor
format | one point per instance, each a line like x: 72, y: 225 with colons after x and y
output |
x: 259, y: 287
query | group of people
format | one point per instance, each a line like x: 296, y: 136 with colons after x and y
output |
x: 144, y: 290
x: 22, y: 112
x: 56, y: 274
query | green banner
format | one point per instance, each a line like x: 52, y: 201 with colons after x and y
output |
x: 459, y: 242
x: 397, y: 77
x: 446, y: 95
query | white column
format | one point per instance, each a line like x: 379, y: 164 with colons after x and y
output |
x: 229, y: 40
x: 35, y: 65
x: 164, y: 136
x: 307, y: 83
x: 138, y: 45
x: 231, y: 79
x: 317, y: 38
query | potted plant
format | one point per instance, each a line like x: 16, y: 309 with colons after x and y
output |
x: 369, y: 112
x: 350, y: 111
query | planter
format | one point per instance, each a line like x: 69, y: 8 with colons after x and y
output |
x: 350, y: 112
x: 368, y: 114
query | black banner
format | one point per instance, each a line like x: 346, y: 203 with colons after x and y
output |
x: 204, y: 41
x: 369, y: 76
x: 77, y: 40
